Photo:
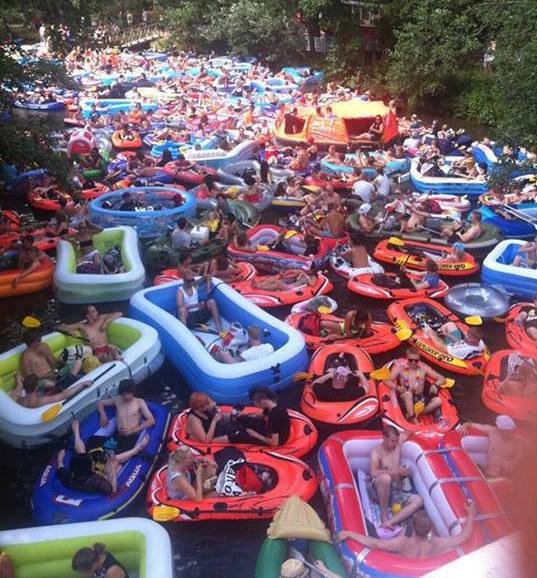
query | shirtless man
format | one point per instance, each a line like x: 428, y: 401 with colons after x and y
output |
x: 386, y: 476
x: 408, y: 377
x: 419, y: 545
x: 357, y: 254
x: 93, y: 329
x: 474, y: 231
x: 527, y: 255
x: 29, y: 258
x: 366, y: 222
x: 506, y: 450
x: 333, y: 224
x: 521, y: 378
x: 528, y: 319
x: 34, y: 398
x: 132, y: 415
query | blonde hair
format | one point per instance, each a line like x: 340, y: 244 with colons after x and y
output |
x: 177, y: 457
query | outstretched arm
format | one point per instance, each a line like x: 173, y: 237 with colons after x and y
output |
x: 442, y: 544
x: 393, y: 545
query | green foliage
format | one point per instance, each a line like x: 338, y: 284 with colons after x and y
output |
x: 478, y: 98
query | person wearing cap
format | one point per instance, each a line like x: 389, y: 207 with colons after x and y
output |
x: 365, y: 220
x: 506, y: 449
x: 132, y: 415
x: 341, y: 383
x: 458, y: 254
x: 294, y: 568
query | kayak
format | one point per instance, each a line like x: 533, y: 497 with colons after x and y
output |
x: 162, y: 254
x: 38, y: 280
x: 126, y: 144
x: 368, y: 286
x: 416, y: 312
x: 349, y: 412
x: 521, y: 408
x: 515, y: 332
x: 277, y: 298
x: 414, y: 255
x: 169, y: 275
x: 292, y: 477
x: 382, y: 336
x: 142, y: 546
x: 55, y: 503
x: 343, y: 267
x: 302, y: 436
x: 438, y: 423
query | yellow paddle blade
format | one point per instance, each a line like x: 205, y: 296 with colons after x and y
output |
x: 263, y: 248
x: 473, y: 320
x: 233, y: 191
x: 312, y: 188
x: 290, y: 234
x: 381, y: 374
x: 403, y: 334
x: 50, y: 413
x: 448, y: 383
x: 165, y: 513
x: 419, y: 406
x: 302, y: 376
x: 323, y: 310
x: 31, y: 322
x: 396, y: 241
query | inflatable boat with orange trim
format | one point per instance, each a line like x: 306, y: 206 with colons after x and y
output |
x: 43, y: 239
x: 444, y: 477
x: 414, y: 255
x: 438, y: 423
x: 37, y: 280
x: 515, y: 331
x: 381, y: 339
x: 414, y: 313
x: 40, y: 203
x: 349, y: 412
x: 168, y: 275
x: 302, y: 436
x: 365, y: 285
x: 291, y: 477
x: 266, y: 299
x: 522, y: 408
x: 12, y: 219
x: 187, y: 173
x: 96, y: 191
x: 126, y: 144
x: 292, y: 257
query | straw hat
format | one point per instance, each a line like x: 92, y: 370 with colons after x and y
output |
x: 293, y: 568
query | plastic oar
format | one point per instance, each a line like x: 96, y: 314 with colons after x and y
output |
x: 294, y: 553
x: 165, y: 513
x: 378, y: 374
x: 31, y: 322
x: 50, y: 413
x: 473, y: 320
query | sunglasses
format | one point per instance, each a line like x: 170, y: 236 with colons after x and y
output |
x: 189, y: 281
x: 413, y: 359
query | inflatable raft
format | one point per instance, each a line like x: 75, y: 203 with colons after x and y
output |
x: 188, y: 350
x: 516, y: 332
x: 140, y: 545
x: 343, y: 267
x: 414, y: 255
x: 499, y: 367
x: 445, y: 479
x: 498, y: 269
x: 28, y: 427
x: 217, y: 158
x: 290, y: 477
x: 161, y: 254
x: 302, y: 436
x: 38, y: 280
x: 126, y: 144
x: 448, y: 184
x: 417, y: 312
x: 368, y: 286
x: 348, y: 412
x: 169, y: 275
x: 517, y: 222
x: 55, y: 503
x: 73, y: 287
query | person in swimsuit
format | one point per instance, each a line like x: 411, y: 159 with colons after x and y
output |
x: 357, y: 324
x: 357, y: 254
x: 375, y: 132
x: 408, y: 378
x: 97, y: 562
x: 527, y: 255
x: 527, y: 318
x: 34, y: 396
x: 28, y: 258
x: 193, y: 310
x: 188, y: 478
x: 222, y: 268
x: 284, y: 281
x: 451, y: 340
x: 90, y: 260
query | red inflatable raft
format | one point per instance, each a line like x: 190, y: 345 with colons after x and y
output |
x: 291, y: 477
x: 170, y: 275
x: 515, y: 331
x: 365, y: 285
x: 414, y: 255
x: 13, y: 222
x: 445, y: 479
x: 187, y: 173
x: 381, y: 339
x: 39, y: 279
x: 413, y: 313
x: 519, y: 407
x: 302, y: 437
x: 96, y: 191
x: 349, y: 412
x: 43, y: 239
x: 41, y: 203
x: 126, y: 144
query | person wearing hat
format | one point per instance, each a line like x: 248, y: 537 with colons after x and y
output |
x: 132, y: 415
x: 294, y: 568
x: 340, y: 383
x: 506, y: 449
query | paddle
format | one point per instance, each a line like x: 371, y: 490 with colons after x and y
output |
x: 50, y: 413
x: 294, y: 553
x: 165, y: 513
x: 378, y: 374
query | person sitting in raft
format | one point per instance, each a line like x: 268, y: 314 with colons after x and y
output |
x: 301, y: 160
x: 243, y: 243
x: 126, y: 133
x: 205, y: 423
x: 284, y: 281
x: 375, y: 131
x: 255, y: 348
x: 357, y: 255
x: 28, y: 258
x: 416, y: 220
x: 333, y: 224
x: 521, y: 379
x: 93, y: 329
x: 188, y: 477
x: 420, y: 544
x: 356, y: 325
x: 224, y: 269
x: 340, y: 383
x: 92, y: 468
x: 229, y: 227
x: 180, y: 238
x: 293, y: 188
x: 90, y: 259
x: 132, y: 416
x: 451, y: 340
x: 386, y: 484
x: 408, y: 378
x: 456, y: 256
x: 506, y: 450
x: 97, y: 562
x: 333, y: 156
x: 430, y: 278
x: 29, y: 393
x: 527, y: 318
x: 128, y: 202
x: 366, y: 222
x: 194, y: 309
x: 472, y: 232
x: 527, y: 255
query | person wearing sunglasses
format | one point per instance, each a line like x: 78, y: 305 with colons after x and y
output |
x: 409, y: 377
x: 193, y: 307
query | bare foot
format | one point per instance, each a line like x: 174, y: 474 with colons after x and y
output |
x: 143, y: 442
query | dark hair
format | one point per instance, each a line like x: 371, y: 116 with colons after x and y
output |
x: 478, y: 215
x: 31, y: 336
x: 85, y: 558
x: 181, y: 222
x: 249, y: 180
x: 221, y: 196
x: 422, y: 524
x: 126, y: 386
x: 260, y: 392
x: 390, y: 430
x: 30, y: 383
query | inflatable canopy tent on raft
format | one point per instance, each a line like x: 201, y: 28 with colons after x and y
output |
x: 351, y: 118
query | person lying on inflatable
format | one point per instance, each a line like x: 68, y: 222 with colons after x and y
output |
x: 254, y: 348
x: 521, y: 379
x: 450, y: 339
x: 284, y: 281
x: 528, y: 319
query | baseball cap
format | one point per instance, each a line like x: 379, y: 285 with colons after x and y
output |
x: 505, y: 423
x: 364, y: 209
x: 458, y: 246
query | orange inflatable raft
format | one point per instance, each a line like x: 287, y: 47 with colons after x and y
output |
x: 96, y: 191
x: 515, y: 331
x: 414, y: 255
x: 500, y: 365
x: 414, y: 313
x: 365, y: 285
x: 302, y: 437
x: 349, y: 412
x: 265, y: 298
x: 247, y: 271
x: 43, y: 239
x: 290, y: 477
x: 37, y: 280
x: 381, y: 339
x: 40, y: 203
x: 126, y: 144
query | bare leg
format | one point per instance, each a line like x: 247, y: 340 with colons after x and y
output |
x: 77, y: 366
x: 126, y: 456
x: 433, y: 405
x: 213, y: 308
x: 408, y: 404
x: 79, y: 445
x: 382, y: 485
x: 413, y: 504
